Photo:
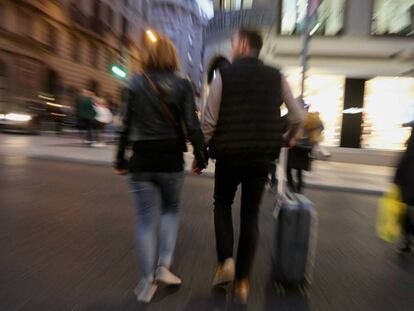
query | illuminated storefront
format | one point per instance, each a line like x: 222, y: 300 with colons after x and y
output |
x: 394, y: 17
x: 325, y: 95
x: 389, y: 102
x: 328, y: 21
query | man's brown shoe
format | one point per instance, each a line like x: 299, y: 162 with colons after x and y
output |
x: 241, y: 291
x: 225, y: 273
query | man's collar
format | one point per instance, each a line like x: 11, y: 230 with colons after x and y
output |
x: 247, y: 60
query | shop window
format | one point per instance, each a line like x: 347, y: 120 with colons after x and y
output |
x: 388, y: 104
x: 247, y: 4
x: 324, y: 94
x: 394, y: 17
x: 233, y: 5
x: 328, y: 19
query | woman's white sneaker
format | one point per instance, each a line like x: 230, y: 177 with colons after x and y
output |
x: 165, y: 276
x: 145, y: 290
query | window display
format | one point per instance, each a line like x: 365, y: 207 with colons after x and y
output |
x: 329, y: 18
x: 324, y: 94
x: 394, y: 17
x: 389, y: 102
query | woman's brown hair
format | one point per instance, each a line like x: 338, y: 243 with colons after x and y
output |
x: 161, y: 55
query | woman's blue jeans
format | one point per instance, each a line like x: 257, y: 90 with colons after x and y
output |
x: 156, y: 193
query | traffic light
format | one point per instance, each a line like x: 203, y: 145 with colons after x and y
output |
x: 119, y: 71
x: 119, y: 67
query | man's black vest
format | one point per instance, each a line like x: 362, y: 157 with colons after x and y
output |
x: 249, y: 126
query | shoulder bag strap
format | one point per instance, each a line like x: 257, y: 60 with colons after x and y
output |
x: 164, y: 105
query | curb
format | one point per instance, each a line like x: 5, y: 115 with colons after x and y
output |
x: 316, y: 186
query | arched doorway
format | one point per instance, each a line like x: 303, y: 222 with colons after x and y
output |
x: 217, y: 64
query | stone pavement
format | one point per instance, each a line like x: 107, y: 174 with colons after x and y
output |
x: 324, y: 175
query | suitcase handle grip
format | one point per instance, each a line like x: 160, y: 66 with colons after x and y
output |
x: 281, y: 171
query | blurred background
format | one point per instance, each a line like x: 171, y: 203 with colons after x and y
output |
x: 66, y: 226
x: 360, y: 56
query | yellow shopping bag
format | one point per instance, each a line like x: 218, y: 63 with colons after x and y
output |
x: 390, y: 213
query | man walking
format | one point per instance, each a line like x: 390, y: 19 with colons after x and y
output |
x: 243, y: 127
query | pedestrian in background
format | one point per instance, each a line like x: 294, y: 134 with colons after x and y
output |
x: 113, y: 127
x: 300, y: 156
x: 404, y: 178
x: 160, y: 114
x: 102, y: 119
x: 85, y: 115
x: 242, y: 125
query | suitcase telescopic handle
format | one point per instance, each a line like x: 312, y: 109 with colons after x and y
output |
x: 281, y: 171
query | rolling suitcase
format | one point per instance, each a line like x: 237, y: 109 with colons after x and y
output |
x: 296, y: 236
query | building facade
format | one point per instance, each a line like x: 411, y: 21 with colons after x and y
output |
x: 183, y: 22
x: 59, y: 47
x: 361, y: 61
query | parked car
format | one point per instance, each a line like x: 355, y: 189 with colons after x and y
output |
x: 33, y: 116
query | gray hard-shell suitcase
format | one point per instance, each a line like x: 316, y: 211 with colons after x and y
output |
x: 296, y: 236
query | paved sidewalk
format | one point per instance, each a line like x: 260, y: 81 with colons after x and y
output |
x: 325, y: 174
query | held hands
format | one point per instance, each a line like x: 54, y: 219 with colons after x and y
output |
x: 289, y: 140
x: 195, y: 169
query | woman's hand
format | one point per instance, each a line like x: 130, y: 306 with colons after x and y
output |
x: 120, y: 171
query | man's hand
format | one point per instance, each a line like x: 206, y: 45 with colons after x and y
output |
x: 120, y: 171
x: 195, y: 169
x: 291, y: 142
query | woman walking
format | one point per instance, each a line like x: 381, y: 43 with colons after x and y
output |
x: 300, y: 156
x: 160, y: 115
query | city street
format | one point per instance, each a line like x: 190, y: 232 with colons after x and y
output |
x: 85, y: 83
x: 66, y: 243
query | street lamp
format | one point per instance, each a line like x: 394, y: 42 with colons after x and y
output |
x: 150, y: 34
